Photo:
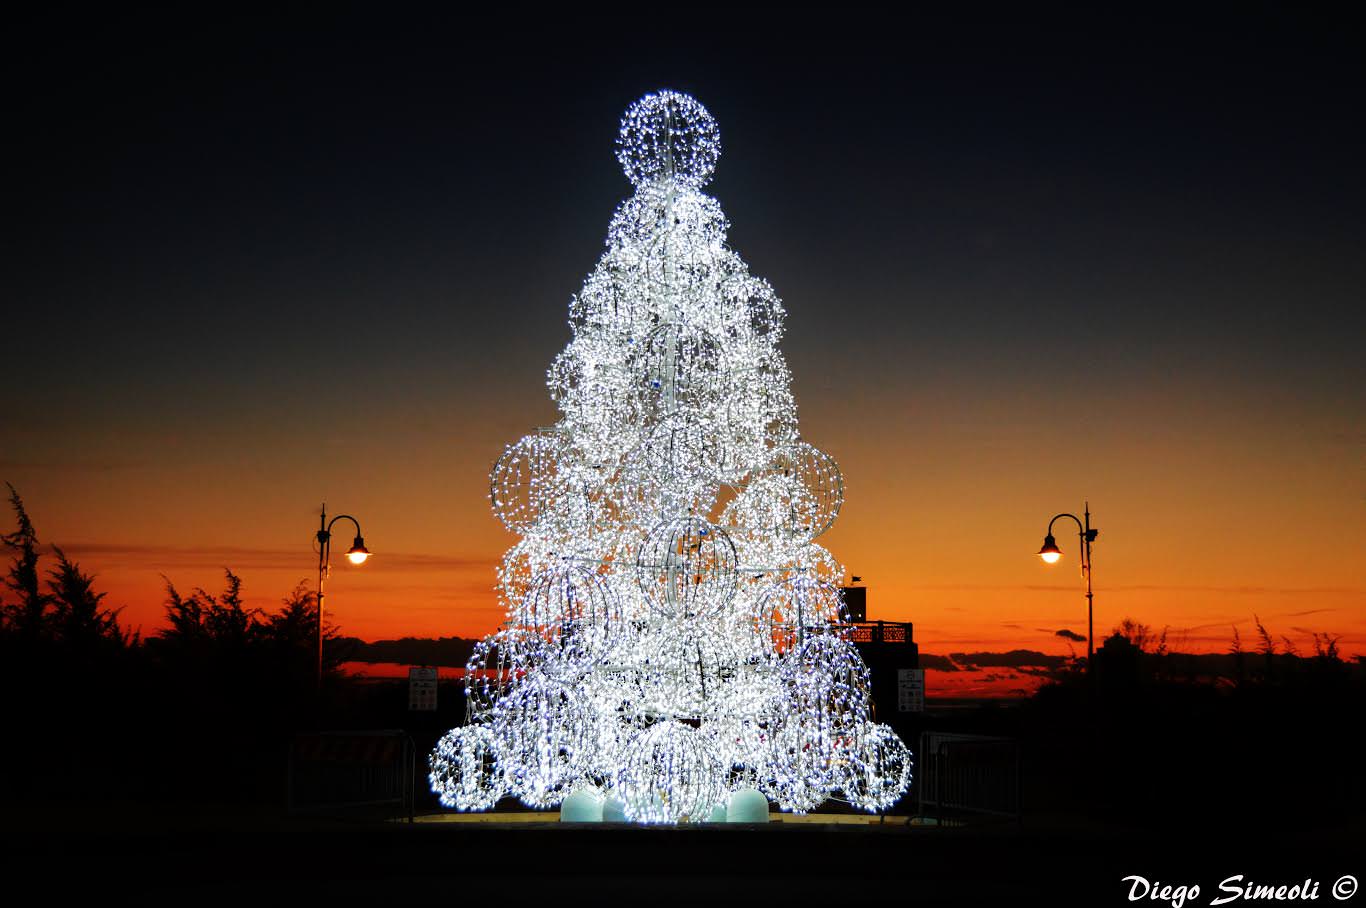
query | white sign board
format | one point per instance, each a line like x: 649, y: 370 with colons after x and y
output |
x: 422, y: 689
x: 910, y: 690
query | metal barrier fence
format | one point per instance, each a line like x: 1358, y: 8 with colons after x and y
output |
x: 968, y: 774
x: 353, y: 773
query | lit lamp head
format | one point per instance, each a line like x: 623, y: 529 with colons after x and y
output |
x: 358, y: 552
x: 1050, y: 552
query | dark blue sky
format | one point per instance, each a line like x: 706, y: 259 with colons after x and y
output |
x: 206, y: 184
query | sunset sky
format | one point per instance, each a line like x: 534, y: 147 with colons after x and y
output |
x: 261, y: 264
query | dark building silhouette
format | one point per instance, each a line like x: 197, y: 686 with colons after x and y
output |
x: 887, y: 647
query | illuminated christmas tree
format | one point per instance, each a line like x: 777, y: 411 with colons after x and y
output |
x: 674, y: 633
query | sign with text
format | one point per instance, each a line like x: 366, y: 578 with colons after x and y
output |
x: 910, y: 690
x: 422, y: 689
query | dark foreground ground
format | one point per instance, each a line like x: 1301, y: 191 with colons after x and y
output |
x: 157, y: 792
x: 211, y: 852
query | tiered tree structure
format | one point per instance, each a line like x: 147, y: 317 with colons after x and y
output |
x: 674, y: 632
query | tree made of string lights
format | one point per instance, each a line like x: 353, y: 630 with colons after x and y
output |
x: 674, y: 632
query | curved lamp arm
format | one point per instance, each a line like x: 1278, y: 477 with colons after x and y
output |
x: 357, y: 553
x: 1081, y: 528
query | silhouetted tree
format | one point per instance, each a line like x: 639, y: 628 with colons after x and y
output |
x: 1119, y: 662
x: 1326, y: 648
x: 204, y: 619
x: 1267, y: 647
x: 78, y: 620
x: 1139, y: 635
x: 292, y: 632
x: 1235, y: 650
x: 29, y: 615
x: 295, y: 625
x: 186, y: 618
x: 1327, y: 667
x: 220, y: 630
x: 226, y: 619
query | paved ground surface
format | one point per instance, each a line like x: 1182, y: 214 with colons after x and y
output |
x: 171, y: 852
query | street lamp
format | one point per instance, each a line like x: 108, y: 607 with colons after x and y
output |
x: 356, y: 555
x: 1050, y: 553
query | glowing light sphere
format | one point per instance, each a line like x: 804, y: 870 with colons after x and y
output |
x: 465, y: 771
x: 686, y: 568
x: 799, y: 768
x: 876, y: 772
x: 683, y: 271
x: 542, y: 723
x: 795, y: 605
x: 522, y: 564
x: 696, y: 676
x: 815, y: 561
x: 819, y: 477
x: 679, y: 368
x: 797, y: 494
x: 827, y: 681
x: 754, y: 309
x: 674, y: 468
x: 671, y: 773
x: 673, y: 635
x: 775, y: 507
x: 526, y: 481
x: 668, y: 136
x: 828, y: 689
x: 495, y: 665
x: 569, y: 594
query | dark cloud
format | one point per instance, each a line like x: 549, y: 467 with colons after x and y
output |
x: 937, y: 663
x: 1037, y: 671
x: 1012, y: 659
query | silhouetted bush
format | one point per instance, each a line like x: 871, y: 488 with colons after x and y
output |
x: 1139, y: 742
x: 204, y: 709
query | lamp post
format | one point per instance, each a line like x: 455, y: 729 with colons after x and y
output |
x: 1050, y: 553
x: 356, y: 555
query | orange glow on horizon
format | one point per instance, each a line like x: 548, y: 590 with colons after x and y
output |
x: 945, y: 483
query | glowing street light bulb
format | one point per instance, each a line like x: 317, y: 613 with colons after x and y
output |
x: 1050, y: 552
x: 358, y: 552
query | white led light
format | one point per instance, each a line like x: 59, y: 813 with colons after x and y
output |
x: 670, y: 138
